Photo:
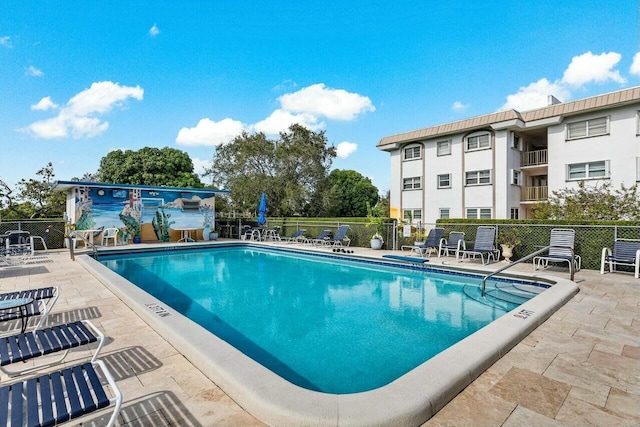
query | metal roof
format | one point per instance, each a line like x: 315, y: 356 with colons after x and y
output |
x: 607, y: 100
x: 67, y: 185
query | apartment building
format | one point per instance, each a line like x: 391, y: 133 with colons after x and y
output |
x: 499, y: 165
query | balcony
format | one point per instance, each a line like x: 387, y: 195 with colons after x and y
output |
x: 534, y: 194
x: 533, y: 158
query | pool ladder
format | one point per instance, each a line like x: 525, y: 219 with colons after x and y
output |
x: 528, y: 257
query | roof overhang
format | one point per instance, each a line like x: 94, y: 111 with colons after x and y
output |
x: 64, y: 186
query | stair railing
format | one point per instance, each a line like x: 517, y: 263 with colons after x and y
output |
x: 528, y: 257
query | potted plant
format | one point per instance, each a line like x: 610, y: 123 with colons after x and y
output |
x: 133, y: 225
x: 378, y: 223
x: 508, y: 240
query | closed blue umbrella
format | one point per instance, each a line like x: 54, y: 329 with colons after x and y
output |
x: 262, y: 210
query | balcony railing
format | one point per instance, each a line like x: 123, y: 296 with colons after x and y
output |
x: 534, y: 158
x: 534, y: 194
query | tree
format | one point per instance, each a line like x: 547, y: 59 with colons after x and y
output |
x: 597, y: 202
x: 33, y: 198
x: 289, y: 169
x: 348, y: 194
x: 149, y: 166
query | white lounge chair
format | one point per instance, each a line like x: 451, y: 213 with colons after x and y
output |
x: 625, y: 252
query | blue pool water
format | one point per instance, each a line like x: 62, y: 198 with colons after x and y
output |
x: 322, y: 323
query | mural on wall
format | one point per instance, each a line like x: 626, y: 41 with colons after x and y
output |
x: 112, y: 207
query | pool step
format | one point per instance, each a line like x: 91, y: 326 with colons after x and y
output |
x: 503, y: 295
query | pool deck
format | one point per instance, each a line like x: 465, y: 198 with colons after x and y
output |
x: 580, y: 367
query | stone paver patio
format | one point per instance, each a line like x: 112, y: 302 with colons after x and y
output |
x: 580, y: 368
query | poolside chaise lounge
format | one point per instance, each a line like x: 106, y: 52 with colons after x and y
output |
x: 341, y: 235
x: 56, y: 397
x: 561, y: 242
x: 431, y: 243
x: 321, y: 237
x: 455, y: 242
x: 296, y: 237
x: 43, y: 301
x: 41, y: 343
x: 625, y: 252
x: 483, y: 245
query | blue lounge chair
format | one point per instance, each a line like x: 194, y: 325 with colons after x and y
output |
x: 561, y: 242
x: 296, y: 237
x: 56, y: 397
x: 431, y: 243
x: 44, y: 342
x: 43, y: 301
x: 625, y: 252
x: 483, y: 245
x: 320, y: 238
x: 455, y: 242
x: 341, y: 235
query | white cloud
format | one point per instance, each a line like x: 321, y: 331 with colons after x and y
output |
x: 345, y: 149
x: 210, y: 133
x: 200, y: 165
x: 587, y: 68
x: 44, y: 104
x: 33, y: 72
x: 535, y: 95
x: 6, y: 42
x: 459, y: 106
x: 285, y: 85
x: 78, y: 117
x: 154, y: 30
x: 336, y: 104
x: 635, y: 66
x: 280, y: 120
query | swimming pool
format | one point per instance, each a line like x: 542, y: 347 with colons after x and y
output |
x: 417, y: 394
x: 302, y: 315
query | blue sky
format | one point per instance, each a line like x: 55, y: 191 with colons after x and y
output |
x: 79, y: 79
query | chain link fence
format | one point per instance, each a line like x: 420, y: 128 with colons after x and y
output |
x: 54, y: 238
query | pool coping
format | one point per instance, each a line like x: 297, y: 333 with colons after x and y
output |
x: 409, y: 400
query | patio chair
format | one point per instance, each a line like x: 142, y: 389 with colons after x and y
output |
x: 625, y: 252
x: 483, y: 245
x: 56, y: 397
x: 43, y: 301
x: 320, y: 238
x: 273, y: 234
x: 455, y: 242
x: 19, y: 243
x: 431, y: 243
x: 41, y: 343
x: 341, y: 235
x: 296, y: 237
x: 110, y: 234
x: 561, y: 242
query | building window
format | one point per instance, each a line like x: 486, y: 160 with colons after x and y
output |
x: 478, y: 142
x: 515, y: 142
x: 412, y: 153
x: 516, y: 177
x: 413, y: 183
x: 444, y: 148
x: 444, y: 213
x: 592, y: 170
x: 515, y: 213
x: 587, y: 128
x: 479, y: 213
x: 412, y: 215
x: 478, y: 177
x: 444, y: 180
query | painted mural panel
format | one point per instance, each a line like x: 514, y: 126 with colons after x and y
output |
x: 105, y: 207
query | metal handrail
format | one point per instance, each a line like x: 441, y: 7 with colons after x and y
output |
x: 86, y: 242
x: 500, y: 270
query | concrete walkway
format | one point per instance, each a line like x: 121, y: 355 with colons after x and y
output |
x: 580, y: 368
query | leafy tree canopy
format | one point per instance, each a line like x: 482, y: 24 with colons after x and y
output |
x: 348, y: 193
x: 33, y: 198
x: 586, y: 202
x: 290, y: 169
x: 149, y: 166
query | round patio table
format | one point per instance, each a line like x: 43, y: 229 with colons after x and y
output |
x: 19, y: 305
